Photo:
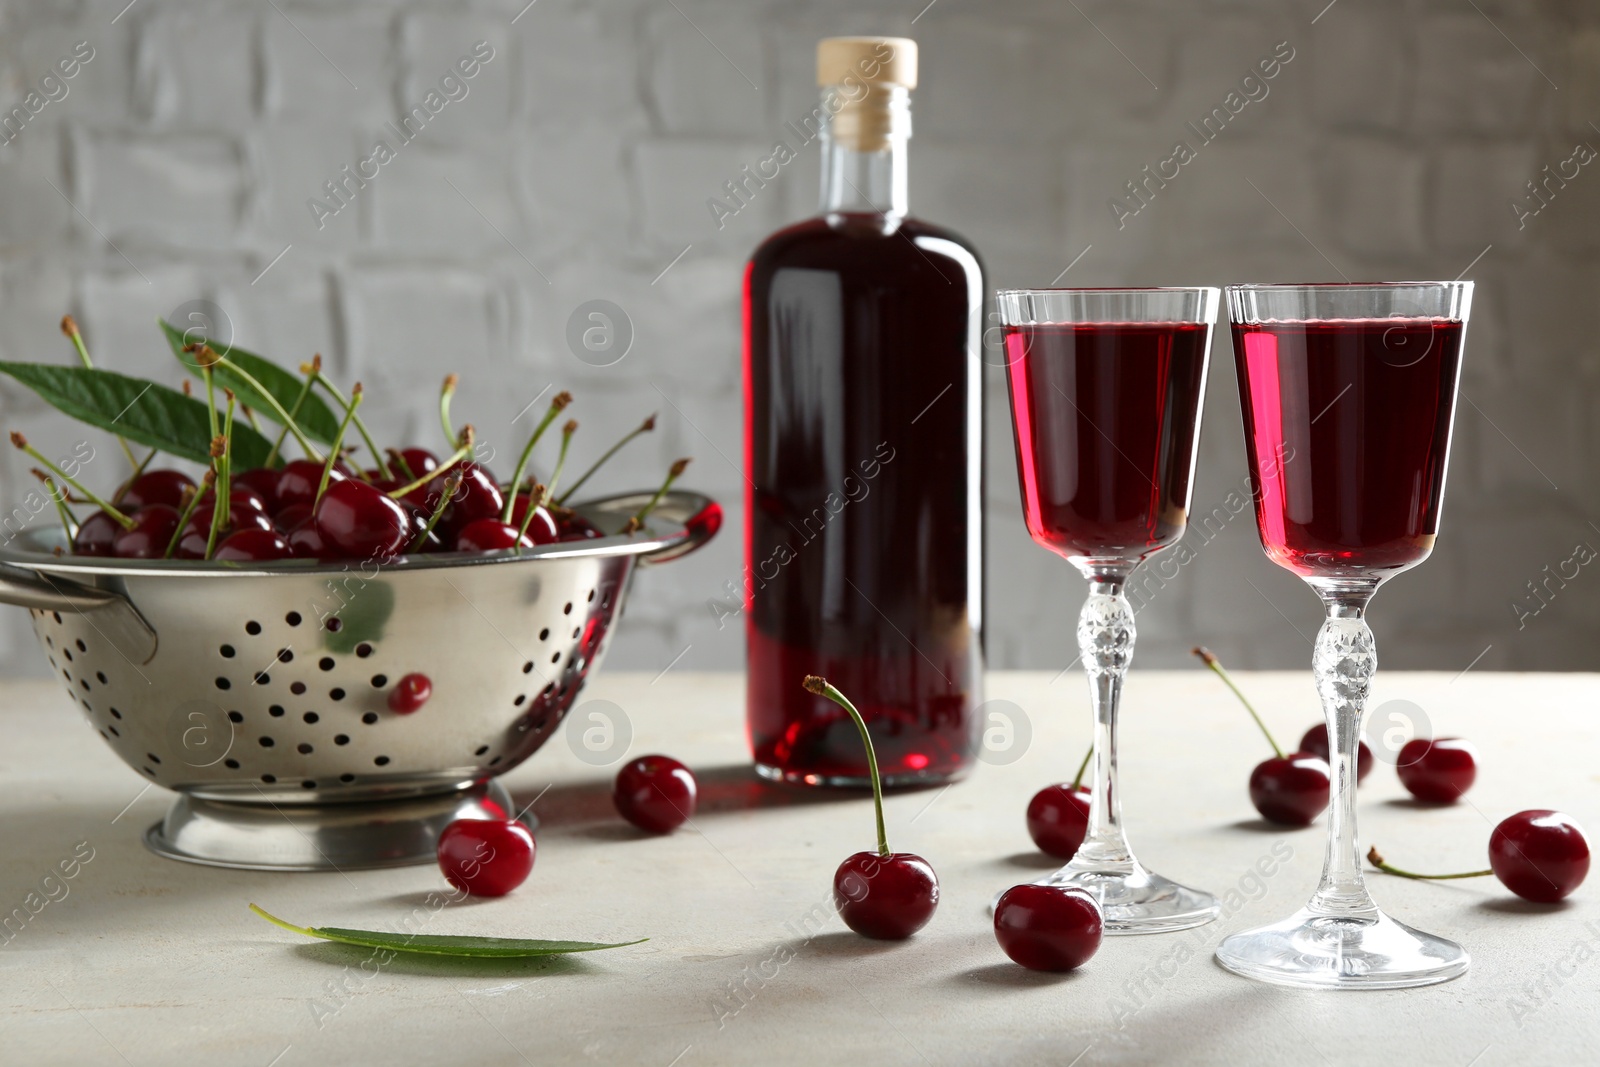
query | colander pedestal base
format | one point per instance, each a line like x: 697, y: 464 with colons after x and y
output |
x: 321, y: 837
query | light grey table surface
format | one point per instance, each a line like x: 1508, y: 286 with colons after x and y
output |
x: 148, y: 961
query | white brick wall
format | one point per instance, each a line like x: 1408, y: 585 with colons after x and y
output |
x: 582, y: 158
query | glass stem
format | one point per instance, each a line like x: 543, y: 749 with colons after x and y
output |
x: 1105, y: 641
x: 1343, y: 664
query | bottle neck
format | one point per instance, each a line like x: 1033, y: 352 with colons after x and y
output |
x: 864, y: 152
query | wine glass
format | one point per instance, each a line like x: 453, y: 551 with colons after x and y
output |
x: 1348, y: 393
x: 1106, y: 386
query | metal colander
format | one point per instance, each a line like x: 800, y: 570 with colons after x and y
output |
x: 260, y: 692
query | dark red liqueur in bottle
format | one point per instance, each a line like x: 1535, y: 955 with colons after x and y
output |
x: 863, y: 449
x: 1347, y: 427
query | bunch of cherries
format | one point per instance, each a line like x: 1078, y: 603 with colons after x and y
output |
x: 322, y: 506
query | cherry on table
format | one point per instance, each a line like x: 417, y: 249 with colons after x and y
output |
x: 359, y: 521
x: 1058, y: 817
x: 1048, y: 928
x: 655, y: 793
x: 486, y: 857
x: 1539, y: 854
x: 1315, y: 742
x: 410, y: 693
x: 1291, y: 790
x: 152, y: 531
x: 888, y: 896
x: 1438, y: 771
x: 882, y: 894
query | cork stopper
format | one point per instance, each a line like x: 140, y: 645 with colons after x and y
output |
x: 867, y: 79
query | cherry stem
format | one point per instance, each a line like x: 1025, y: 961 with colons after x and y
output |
x: 446, y: 391
x: 361, y: 427
x: 644, y: 427
x: 561, y: 461
x: 1077, y: 779
x: 338, y: 440
x: 222, y: 498
x: 122, y: 490
x: 557, y: 405
x: 451, y: 486
x: 206, y: 353
x: 536, y: 493
x: 188, y: 510
x: 69, y: 326
x: 455, y: 457
x: 68, y: 523
x: 820, y: 687
x: 637, y: 522
x: 310, y: 370
x: 400, y: 465
x: 1375, y: 858
x: 22, y: 443
x: 1210, y: 660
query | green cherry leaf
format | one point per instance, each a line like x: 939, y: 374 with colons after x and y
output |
x: 316, y: 419
x: 446, y: 945
x: 138, y: 410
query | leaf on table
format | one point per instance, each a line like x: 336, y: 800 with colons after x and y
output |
x: 138, y: 410
x: 444, y: 944
x: 316, y: 419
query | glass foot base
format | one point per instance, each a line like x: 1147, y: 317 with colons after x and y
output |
x: 1320, y: 952
x: 1139, y: 901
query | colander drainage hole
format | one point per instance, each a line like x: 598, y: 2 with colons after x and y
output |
x: 223, y: 683
x: 336, y: 693
x: 269, y: 778
x: 527, y: 668
x: 293, y: 618
x: 252, y: 628
x: 326, y: 663
x: 308, y: 784
x: 227, y: 651
x: 347, y: 778
x: 482, y: 749
x: 102, y: 676
x: 263, y: 678
x: 568, y: 609
x: 81, y: 646
x: 153, y: 758
x: 370, y: 717
x: 341, y: 739
x: 231, y: 764
x: 310, y: 717
x: 235, y: 716
x: 297, y: 688
x: 363, y: 650
x: 285, y: 656
x: 303, y: 748
x: 544, y: 635
x: 379, y: 681
x: 276, y: 711
x: 115, y: 714
x: 521, y: 697
x: 382, y: 761
x: 267, y: 742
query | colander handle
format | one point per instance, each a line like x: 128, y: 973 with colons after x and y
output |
x: 108, y: 612
x: 701, y: 515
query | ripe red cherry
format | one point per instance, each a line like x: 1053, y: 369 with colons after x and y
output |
x: 298, y: 481
x: 410, y: 693
x: 1058, y: 816
x: 1048, y: 928
x: 542, y: 530
x: 253, y: 546
x: 161, y: 486
x: 263, y: 481
x: 240, y: 517
x: 490, y: 535
x: 888, y: 897
x: 486, y: 857
x: 477, y: 497
x: 1291, y: 790
x: 359, y: 521
x: 152, y: 531
x: 292, y: 517
x: 97, y: 536
x: 655, y: 793
x: 306, y: 543
x: 419, y: 461
x: 577, y: 528
x: 1315, y: 742
x: 239, y: 496
x: 1437, y: 771
x: 1540, y: 855
x: 882, y: 894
